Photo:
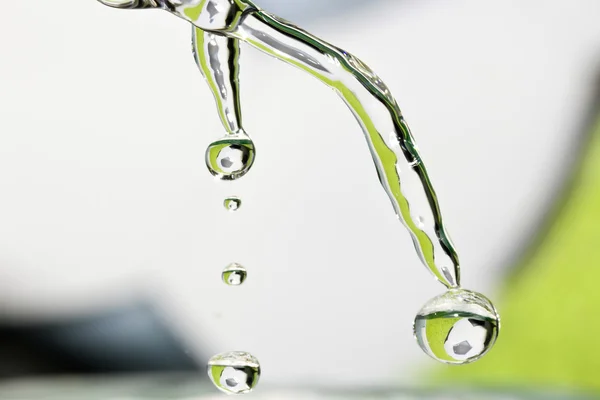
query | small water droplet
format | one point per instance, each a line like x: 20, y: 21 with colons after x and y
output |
x: 458, y: 327
x: 235, y: 372
x: 232, y: 203
x: 231, y: 157
x: 234, y: 275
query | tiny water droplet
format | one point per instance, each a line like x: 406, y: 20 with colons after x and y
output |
x: 231, y: 157
x: 235, y: 372
x: 232, y: 203
x: 458, y: 327
x: 234, y: 275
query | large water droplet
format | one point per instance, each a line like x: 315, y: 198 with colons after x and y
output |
x: 231, y: 157
x: 232, y: 203
x: 234, y: 275
x: 458, y: 327
x: 235, y: 372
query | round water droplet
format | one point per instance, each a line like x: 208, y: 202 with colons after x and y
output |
x: 235, y: 372
x: 234, y: 275
x: 458, y: 327
x: 232, y: 203
x: 231, y: 157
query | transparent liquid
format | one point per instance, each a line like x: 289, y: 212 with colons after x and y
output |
x: 388, y: 137
x: 234, y: 275
x: 231, y: 157
x: 232, y: 203
x: 235, y: 372
x: 458, y: 327
x: 219, y: 26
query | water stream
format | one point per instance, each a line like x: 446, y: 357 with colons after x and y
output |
x: 456, y: 328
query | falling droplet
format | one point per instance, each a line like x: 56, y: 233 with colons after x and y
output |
x: 231, y: 157
x: 458, y: 327
x: 234, y: 275
x: 232, y: 203
x: 235, y: 372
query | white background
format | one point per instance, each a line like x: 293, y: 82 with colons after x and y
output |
x: 104, y: 196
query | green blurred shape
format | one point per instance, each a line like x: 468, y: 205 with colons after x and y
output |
x: 550, y: 307
x: 436, y: 334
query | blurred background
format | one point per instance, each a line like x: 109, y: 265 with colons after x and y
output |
x: 113, y: 234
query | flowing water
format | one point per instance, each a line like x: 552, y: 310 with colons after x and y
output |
x: 395, y: 153
x: 458, y: 327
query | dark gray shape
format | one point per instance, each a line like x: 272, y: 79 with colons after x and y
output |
x: 462, y: 348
